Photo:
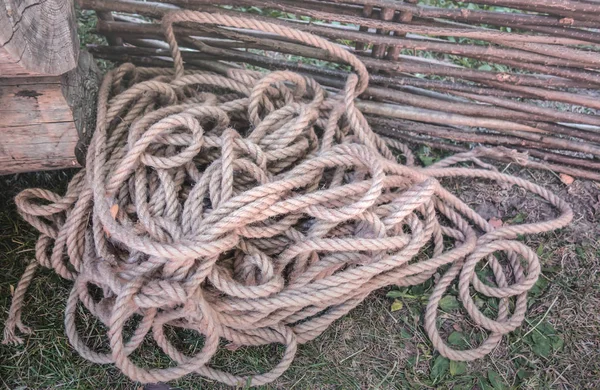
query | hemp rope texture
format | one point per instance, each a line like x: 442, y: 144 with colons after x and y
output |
x: 259, y: 215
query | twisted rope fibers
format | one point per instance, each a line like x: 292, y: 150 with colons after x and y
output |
x: 259, y: 214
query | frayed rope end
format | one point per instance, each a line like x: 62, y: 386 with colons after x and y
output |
x: 14, y: 315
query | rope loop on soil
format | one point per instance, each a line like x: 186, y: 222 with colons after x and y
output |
x: 259, y: 209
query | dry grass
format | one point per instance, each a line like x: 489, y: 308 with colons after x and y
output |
x: 372, y: 347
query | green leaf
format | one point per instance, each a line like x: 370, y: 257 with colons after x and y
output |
x: 538, y: 287
x: 483, y: 383
x: 557, y: 343
x: 485, y: 67
x: 546, y: 328
x: 418, y: 289
x: 448, y: 303
x: 426, y: 160
x: 495, y: 380
x: 439, y: 368
x: 394, y: 294
x: 541, y: 345
x: 463, y: 386
x: 519, y: 218
x: 457, y: 339
x: 493, y: 303
x: 399, y: 294
x: 405, y: 334
x: 524, y: 374
x: 537, y: 336
x: 457, y: 368
x: 397, y: 305
x: 540, y: 250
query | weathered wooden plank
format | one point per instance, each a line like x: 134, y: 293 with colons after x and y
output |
x: 6, y: 81
x: 33, y: 104
x: 45, y: 121
x: 37, y: 147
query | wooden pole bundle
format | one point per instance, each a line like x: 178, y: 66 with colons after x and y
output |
x: 528, y: 65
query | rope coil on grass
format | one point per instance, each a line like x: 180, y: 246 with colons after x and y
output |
x: 259, y: 214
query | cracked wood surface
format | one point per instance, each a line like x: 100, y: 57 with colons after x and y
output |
x: 37, y: 37
x: 45, y: 122
x: 37, y: 129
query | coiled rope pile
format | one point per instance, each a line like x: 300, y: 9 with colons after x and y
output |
x: 259, y: 214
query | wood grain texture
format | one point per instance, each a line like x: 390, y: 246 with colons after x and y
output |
x: 37, y: 130
x: 10, y: 67
x: 39, y: 36
x: 37, y: 147
x: 45, y: 122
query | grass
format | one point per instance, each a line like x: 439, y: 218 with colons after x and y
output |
x: 379, y: 345
x: 558, y: 346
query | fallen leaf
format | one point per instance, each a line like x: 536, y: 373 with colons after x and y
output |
x: 114, y: 210
x: 12, y: 290
x: 495, y: 222
x: 566, y: 179
x: 457, y: 327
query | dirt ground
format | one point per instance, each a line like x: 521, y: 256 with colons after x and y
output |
x: 558, y: 346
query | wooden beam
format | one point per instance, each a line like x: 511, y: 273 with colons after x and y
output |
x: 38, y: 36
x: 47, y: 121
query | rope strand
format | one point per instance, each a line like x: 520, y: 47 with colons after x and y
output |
x: 259, y: 209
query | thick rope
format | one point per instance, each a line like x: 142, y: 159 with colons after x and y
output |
x: 259, y: 209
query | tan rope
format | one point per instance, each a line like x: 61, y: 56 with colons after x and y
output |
x: 14, y: 316
x: 259, y: 213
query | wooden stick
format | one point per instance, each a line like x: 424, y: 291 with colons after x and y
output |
x: 404, y: 66
x: 465, y: 15
x: 563, y: 116
x: 435, y: 144
x: 217, y: 53
x: 417, y: 114
x: 483, y: 16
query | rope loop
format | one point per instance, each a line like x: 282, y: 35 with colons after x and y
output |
x: 258, y: 209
